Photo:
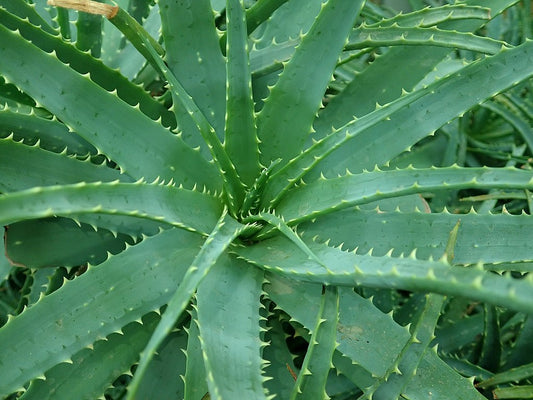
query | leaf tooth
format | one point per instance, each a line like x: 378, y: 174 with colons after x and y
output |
x: 472, y: 211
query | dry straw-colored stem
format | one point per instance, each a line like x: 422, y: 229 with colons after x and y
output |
x: 88, y: 6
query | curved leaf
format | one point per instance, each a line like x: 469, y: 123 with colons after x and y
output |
x: 505, y: 237
x: 112, y: 126
x: 60, y: 242
x: 102, y: 301
x: 226, y: 230
x: 369, y: 338
x: 51, y: 134
x: 24, y: 167
x: 408, y: 273
x: 327, y: 195
x: 364, y: 37
x: 162, y: 203
x: 84, y: 63
x: 103, y: 363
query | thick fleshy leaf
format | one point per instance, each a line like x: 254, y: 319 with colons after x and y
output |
x: 241, y: 142
x: 180, y: 207
x: 327, y: 195
x: 283, y: 131
x: 102, y: 301
x: 369, y: 338
x: 339, y: 267
x: 100, y: 117
x: 228, y: 318
x: 226, y: 230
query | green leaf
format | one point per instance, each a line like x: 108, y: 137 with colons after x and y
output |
x: 301, y: 13
x: 430, y: 16
x: 511, y: 375
x: 60, y: 242
x: 121, y: 54
x: 195, y: 375
x: 241, y: 141
x: 369, y: 337
x: 418, y: 114
x: 258, y: 13
x: 164, y: 375
x: 84, y: 63
x: 522, y: 125
x: 52, y: 135
x: 5, y: 267
x: 226, y: 230
x: 11, y: 96
x: 102, y: 300
x: 228, y: 318
x: 311, y: 382
x: 278, y: 359
x: 514, y: 392
x: 102, y: 363
x: 283, y: 130
x: 365, y: 37
x: 63, y: 20
x: 24, y: 167
x: 136, y: 34
x: 285, y: 230
x: 490, y: 355
x: 163, y: 203
x: 233, y: 187
x: 408, y: 273
x: 505, y: 236
x: 405, y: 368
x: 89, y: 33
x: 327, y: 195
x: 112, y: 126
x: 409, y: 118
x: 449, y: 252
x: 523, y: 346
x: 198, y: 63
x: 384, y: 80
x: 25, y: 10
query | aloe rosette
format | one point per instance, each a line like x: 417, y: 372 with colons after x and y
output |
x: 187, y: 187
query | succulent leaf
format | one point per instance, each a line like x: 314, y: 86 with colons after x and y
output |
x: 409, y: 273
x: 62, y: 381
x: 302, y: 199
x: 311, y: 381
x: 25, y: 167
x: 94, y: 117
x: 370, y: 338
x: 102, y: 302
x: 228, y: 320
x: 303, y: 90
x: 108, y: 198
x: 198, y: 63
x: 240, y: 141
x: 70, y: 244
x: 226, y: 230
x: 195, y: 375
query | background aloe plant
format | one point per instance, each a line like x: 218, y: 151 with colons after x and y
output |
x: 249, y: 199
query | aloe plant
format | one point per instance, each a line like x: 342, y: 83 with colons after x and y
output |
x: 256, y: 199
